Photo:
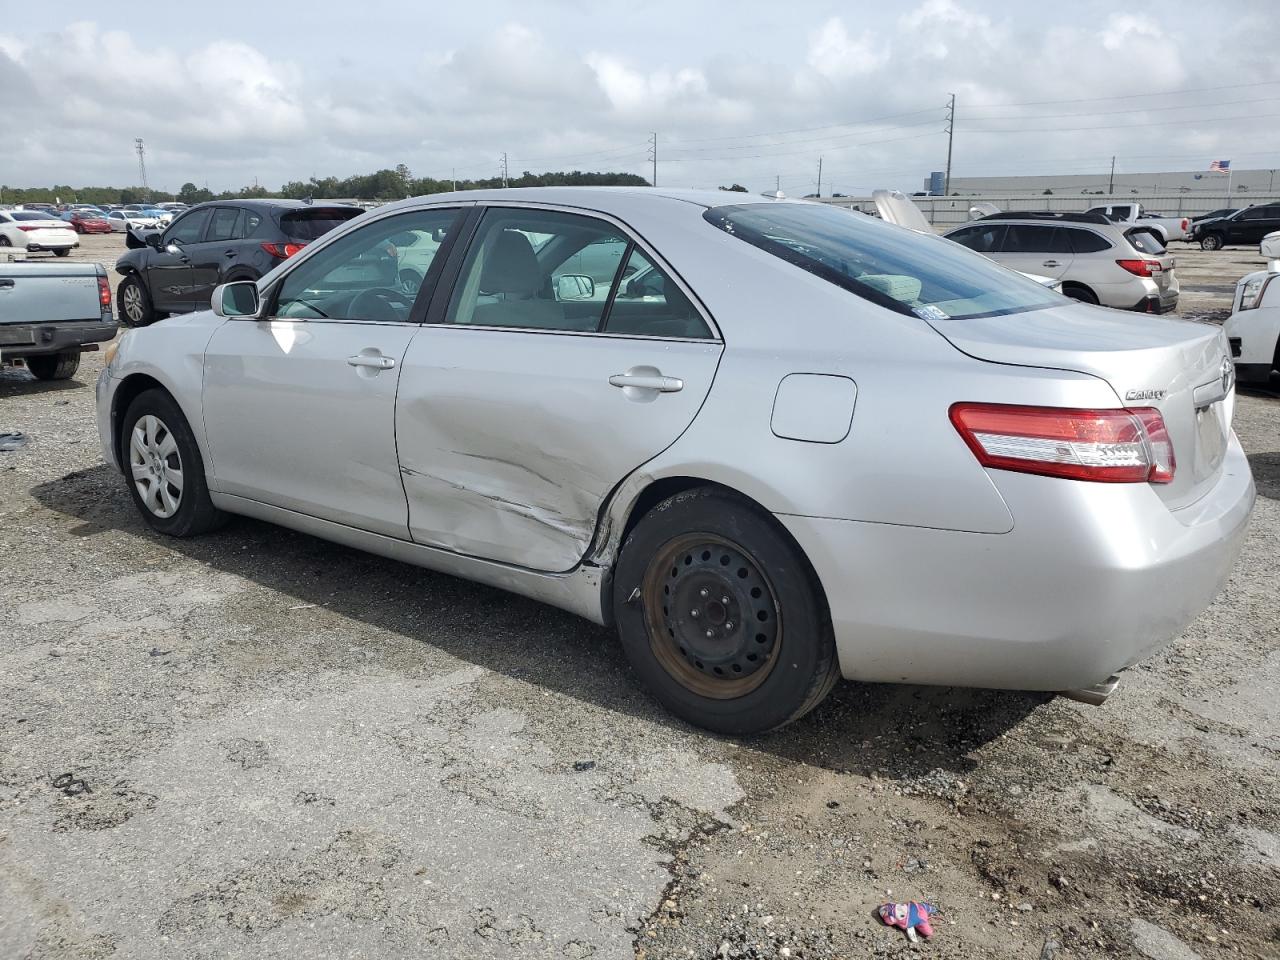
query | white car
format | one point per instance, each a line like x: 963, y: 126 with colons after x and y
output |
x: 34, y: 230
x: 1253, y: 329
x: 122, y: 221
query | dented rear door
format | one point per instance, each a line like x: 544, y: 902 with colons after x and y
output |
x: 510, y: 440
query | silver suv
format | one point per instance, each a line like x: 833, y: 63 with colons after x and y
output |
x: 1096, y: 261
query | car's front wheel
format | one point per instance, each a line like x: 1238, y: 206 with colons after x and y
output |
x: 164, y: 469
x: 1211, y: 241
x: 65, y: 251
x: 135, y: 303
x: 721, y: 615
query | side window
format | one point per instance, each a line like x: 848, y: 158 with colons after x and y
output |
x: 650, y: 304
x: 1086, y: 241
x: 1035, y: 238
x: 223, y: 226
x: 520, y: 271
x: 984, y: 238
x: 248, y: 225
x: 373, y: 273
x: 187, y: 228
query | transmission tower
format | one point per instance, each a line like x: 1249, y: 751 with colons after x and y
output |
x: 142, y: 166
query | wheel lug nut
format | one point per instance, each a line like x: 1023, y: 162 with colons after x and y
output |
x: 728, y: 624
x: 694, y: 613
x: 710, y: 634
x: 704, y: 592
x: 725, y: 601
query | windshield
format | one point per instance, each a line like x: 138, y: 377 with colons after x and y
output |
x: 900, y: 269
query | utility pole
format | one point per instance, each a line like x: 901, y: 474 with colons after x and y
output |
x: 653, y: 155
x: 142, y: 166
x: 504, y: 169
x: 1111, y: 184
x: 951, y: 135
x: 454, y: 177
x: 777, y: 183
x: 819, y: 177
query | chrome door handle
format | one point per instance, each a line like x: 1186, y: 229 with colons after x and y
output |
x: 377, y: 362
x: 647, y: 382
x: 1051, y: 263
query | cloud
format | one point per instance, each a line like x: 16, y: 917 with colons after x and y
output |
x: 836, y: 55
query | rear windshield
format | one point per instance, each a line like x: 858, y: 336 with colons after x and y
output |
x: 1145, y: 241
x: 311, y: 224
x: 29, y: 215
x: 900, y: 269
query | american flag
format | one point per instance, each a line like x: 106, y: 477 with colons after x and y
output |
x: 1220, y: 166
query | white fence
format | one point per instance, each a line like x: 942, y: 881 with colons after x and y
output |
x: 950, y: 211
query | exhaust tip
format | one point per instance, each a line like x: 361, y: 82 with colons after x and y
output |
x: 1095, y: 695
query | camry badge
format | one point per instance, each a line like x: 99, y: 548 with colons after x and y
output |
x: 1149, y: 394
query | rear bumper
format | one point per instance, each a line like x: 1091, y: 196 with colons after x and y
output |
x: 34, y: 339
x: 53, y: 245
x: 1163, y: 303
x: 1092, y: 578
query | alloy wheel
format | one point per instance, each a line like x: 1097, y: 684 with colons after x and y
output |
x: 712, y: 616
x: 131, y: 301
x: 156, y: 466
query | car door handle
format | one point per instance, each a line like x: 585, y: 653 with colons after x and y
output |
x: 1051, y: 263
x: 378, y: 362
x: 644, y: 381
x: 5, y: 282
x: 228, y: 253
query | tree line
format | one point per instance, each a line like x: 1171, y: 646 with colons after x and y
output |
x: 393, y: 184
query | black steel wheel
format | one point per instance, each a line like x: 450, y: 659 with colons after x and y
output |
x: 721, y: 615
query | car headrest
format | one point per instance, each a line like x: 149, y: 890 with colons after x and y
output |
x: 511, y: 267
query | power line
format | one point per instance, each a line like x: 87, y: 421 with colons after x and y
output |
x: 1131, y: 96
x: 831, y: 126
x: 844, y: 136
x: 1108, y: 113
x: 798, y: 153
x: 1128, y: 126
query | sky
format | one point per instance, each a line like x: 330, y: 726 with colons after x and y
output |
x: 747, y: 92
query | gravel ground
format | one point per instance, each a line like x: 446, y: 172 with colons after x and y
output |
x: 257, y: 744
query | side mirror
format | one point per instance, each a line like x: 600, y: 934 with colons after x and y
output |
x: 172, y: 248
x: 573, y: 286
x: 236, y: 299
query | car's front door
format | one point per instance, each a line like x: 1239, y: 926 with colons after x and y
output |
x: 169, y: 274
x: 211, y: 253
x: 299, y: 407
x: 524, y: 402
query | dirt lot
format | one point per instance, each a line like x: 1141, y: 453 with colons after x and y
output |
x: 257, y: 744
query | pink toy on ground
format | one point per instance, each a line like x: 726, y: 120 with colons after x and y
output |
x: 911, y: 916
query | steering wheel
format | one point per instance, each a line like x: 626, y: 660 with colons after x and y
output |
x: 376, y: 304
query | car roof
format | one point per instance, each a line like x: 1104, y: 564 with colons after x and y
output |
x: 257, y: 203
x: 601, y: 199
x: 1105, y: 227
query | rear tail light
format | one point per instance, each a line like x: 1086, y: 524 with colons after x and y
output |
x: 104, y: 294
x: 1141, y: 268
x: 1127, y: 445
x: 1185, y: 222
x: 29, y: 229
x: 282, y: 250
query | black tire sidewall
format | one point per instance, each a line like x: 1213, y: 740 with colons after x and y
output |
x: 195, y: 509
x: 1080, y: 295
x: 808, y: 648
x: 54, y: 366
x: 148, y: 312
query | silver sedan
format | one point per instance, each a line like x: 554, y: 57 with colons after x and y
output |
x: 773, y: 442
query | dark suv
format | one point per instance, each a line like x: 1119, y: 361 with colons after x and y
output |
x: 175, y: 270
x: 1247, y: 226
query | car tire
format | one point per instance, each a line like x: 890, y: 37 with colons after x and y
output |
x: 5, y: 242
x: 721, y: 615
x: 163, y: 468
x: 1083, y: 294
x: 54, y: 366
x: 135, y: 303
x: 65, y: 251
x: 1211, y: 241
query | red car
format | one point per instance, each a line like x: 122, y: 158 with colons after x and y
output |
x: 86, y: 221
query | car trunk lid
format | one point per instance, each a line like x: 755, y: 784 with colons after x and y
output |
x: 1181, y: 368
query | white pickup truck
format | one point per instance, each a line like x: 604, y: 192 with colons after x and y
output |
x: 1168, y: 228
x: 50, y: 312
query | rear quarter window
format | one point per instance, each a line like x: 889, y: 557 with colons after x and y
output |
x: 1086, y: 241
x: 1145, y: 241
x: 307, y: 225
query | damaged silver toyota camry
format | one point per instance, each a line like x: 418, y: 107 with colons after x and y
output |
x: 774, y: 442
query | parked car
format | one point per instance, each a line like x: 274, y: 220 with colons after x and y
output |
x: 87, y: 221
x: 1247, y: 226
x: 1027, y: 493
x: 35, y: 230
x: 1253, y: 329
x: 124, y: 221
x: 1167, y: 228
x: 50, y: 312
x: 161, y: 216
x: 37, y: 207
x: 1214, y: 215
x: 1096, y: 261
x: 212, y: 243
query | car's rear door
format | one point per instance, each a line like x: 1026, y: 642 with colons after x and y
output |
x: 1039, y: 248
x: 519, y: 412
x: 212, y: 252
x: 299, y: 407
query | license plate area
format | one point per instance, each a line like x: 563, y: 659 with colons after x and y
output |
x: 17, y: 336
